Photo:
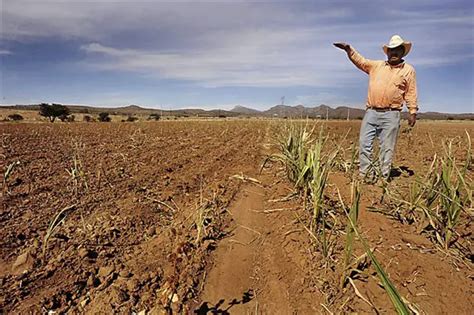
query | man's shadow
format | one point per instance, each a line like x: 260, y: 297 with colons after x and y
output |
x: 219, y: 308
x: 399, y: 171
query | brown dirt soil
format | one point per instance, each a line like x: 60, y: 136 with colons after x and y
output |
x: 270, y: 266
x: 130, y: 243
x: 131, y: 232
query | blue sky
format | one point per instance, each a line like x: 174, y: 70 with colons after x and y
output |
x: 218, y: 54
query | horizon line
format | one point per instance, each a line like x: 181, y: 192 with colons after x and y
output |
x: 212, y: 109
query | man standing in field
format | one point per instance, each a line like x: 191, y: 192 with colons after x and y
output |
x: 391, y: 84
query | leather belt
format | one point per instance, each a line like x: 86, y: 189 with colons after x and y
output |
x: 389, y: 109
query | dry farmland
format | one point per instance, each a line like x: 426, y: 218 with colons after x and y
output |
x: 181, y: 217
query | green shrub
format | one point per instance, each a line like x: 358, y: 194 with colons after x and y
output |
x: 15, y: 117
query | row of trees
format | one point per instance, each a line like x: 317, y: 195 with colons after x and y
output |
x: 53, y: 111
x: 104, y: 117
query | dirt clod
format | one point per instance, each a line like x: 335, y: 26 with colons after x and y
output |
x: 105, y: 271
x: 23, y: 263
x: 125, y: 274
x: 92, y: 281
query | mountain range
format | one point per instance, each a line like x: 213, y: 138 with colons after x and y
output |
x: 278, y: 111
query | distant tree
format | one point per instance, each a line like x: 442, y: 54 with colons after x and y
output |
x: 53, y: 111
x: 132, y: 118
x: 68, y: 118
x: 104, y: 117
x: 63, y: 117
x: 154, y: 116
x: 87, y: 118
x: 15, y: 117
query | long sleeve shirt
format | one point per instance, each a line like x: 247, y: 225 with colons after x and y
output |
x: 389, y: 86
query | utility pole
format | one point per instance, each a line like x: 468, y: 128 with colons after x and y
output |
x: 282, y: 100
x: 348, y: 111
x: 327, y: 113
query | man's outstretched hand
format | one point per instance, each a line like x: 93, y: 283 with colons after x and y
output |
x: 411, y: 120
x: 343, y: 46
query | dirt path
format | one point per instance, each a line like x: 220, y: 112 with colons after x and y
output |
x: 259, y: 268
x: 231, y: 283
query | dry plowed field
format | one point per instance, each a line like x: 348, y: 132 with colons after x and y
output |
x: 180, y: 217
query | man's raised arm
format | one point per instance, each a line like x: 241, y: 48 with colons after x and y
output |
x: 357, y: 59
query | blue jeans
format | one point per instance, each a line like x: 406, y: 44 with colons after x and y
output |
x: 385, y: 126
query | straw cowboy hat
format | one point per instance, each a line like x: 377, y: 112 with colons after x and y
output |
x: 396, y: 41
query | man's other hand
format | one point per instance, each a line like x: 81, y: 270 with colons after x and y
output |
x: 411, y: 120
x: 343, y: 46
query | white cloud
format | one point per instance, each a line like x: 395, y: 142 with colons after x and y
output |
x: 223, y: 43
x: 5, y: 52
x: 251, y: 58
x: 99, y: 19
